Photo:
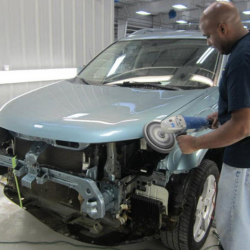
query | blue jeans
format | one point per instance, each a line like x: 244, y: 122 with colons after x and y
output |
x: 233, y: 208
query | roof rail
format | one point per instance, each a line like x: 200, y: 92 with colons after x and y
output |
x: 148, y: 31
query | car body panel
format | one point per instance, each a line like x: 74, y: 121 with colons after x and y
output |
x: 163, y: 34
x: 90, y: 114
x: 202, y: 106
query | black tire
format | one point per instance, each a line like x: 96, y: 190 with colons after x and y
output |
x: 182, y: 236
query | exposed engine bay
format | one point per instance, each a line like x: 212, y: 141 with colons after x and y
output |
x: 100, y: 188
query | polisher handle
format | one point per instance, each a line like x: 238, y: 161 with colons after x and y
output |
x: 178, y: 124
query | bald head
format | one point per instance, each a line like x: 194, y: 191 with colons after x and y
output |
x: 220, y: 12
x: 221, y: 24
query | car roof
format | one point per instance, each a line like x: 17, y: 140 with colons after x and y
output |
x: 163, y: 34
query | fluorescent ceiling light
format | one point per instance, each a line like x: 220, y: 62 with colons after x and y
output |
x: 205, y: 55
x: 111, y: 133
x: 14, y: 76
x: 246, y: 21
x: 38, y: 126
x: 245, y: 27
x: 202, y: 79
x: 143, y: 79
x: 75, y: 116
x: 246, y: 12
x: 179, y: 6
x: 101, y: 122
x: 181, y: 21
x: 142, y: 12
x: 116, y: 65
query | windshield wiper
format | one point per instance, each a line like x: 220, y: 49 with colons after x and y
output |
x: 139, y: 84
x: 82, y: 80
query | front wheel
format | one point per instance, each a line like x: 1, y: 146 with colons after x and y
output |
x: 196, y: 219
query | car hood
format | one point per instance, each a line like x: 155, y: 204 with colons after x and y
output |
x: 90, y: 114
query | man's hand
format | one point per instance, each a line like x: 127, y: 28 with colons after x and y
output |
x: 187, y: 144
x: 232, y: 131
x: 214, y: 117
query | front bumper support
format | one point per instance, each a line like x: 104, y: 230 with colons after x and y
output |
x: 95, y: 201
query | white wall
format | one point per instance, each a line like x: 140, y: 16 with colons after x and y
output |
x: 45, y: 34
x: 41, y: 34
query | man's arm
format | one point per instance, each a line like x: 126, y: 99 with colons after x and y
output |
x: 234, y: 130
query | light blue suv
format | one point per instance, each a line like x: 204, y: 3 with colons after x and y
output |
x: 80, y: 154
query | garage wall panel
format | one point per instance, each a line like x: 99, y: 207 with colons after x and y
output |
x: 98, y: 9
x: 109, y: 17
x: 56, y: 34
x: 80, y: 33
x: 89, y: 29
x: 44, y: 23
x: 53, y: 33
x: 12, y: 18
x: 31, y: 35
x: 67, y: 31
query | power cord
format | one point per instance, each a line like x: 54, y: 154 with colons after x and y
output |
x: 216, y: 245
x: 56, y: 242
x: 210, y: 247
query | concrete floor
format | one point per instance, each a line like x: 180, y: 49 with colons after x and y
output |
x: 16, y: 224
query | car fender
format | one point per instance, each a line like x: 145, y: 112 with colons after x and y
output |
x: 177, y: 161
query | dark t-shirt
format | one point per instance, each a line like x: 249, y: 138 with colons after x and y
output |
x: 234, y: 91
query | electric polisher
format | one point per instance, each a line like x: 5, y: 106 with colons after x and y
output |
x: 160, y: 136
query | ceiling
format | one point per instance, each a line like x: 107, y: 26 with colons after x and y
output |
x: 125, y: 10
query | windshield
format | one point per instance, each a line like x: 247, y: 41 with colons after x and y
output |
x: 182, y: 63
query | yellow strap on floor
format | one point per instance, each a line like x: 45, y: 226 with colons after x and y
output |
x: 17, y: 185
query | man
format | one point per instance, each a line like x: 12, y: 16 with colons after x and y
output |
x: 222, y: 26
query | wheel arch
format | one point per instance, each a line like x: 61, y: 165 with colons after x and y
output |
x: 178, y: 236
x: 176, y: 161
